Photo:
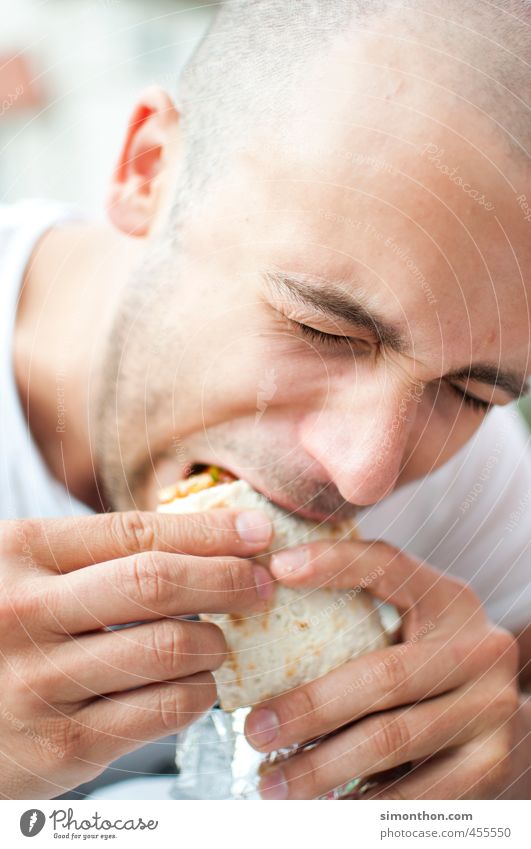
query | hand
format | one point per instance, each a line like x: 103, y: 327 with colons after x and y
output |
x: 441, y: 699
x: 74, y: 696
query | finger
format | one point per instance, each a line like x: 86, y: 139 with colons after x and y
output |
x: 471, y: 772
x: 378, y: 743
x: 135, y: 657
x: 386, y: 572
x: 380, y: 680
x: 66, y: 544
x: 150, y: 586
x: 117, y: 724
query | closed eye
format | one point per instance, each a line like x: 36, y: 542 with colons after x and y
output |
x: 476, y: 404
x: 335, y: 340
x: 356, y: 345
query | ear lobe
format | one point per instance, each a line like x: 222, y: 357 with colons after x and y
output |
x: 134, y: 193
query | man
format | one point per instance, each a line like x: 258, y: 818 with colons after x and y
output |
x: 316, y: 274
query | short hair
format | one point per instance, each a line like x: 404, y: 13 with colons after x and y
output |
x: 246, y: 69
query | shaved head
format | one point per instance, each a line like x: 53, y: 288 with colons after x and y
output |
x: 249, y: 69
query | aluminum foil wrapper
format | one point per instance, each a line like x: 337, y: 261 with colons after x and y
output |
x: 215, y: 761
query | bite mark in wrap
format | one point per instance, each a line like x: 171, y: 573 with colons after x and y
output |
x: 302, y: 634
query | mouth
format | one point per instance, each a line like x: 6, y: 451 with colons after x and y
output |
x: 196, y: 478
x: 200, y: 476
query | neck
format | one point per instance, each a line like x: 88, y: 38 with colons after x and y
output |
x: 67, y: 302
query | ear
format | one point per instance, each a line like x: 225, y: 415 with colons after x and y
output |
x: 137, y: 186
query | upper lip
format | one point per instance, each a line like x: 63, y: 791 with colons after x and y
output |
x: 284, y: 504
x: 303, y: 512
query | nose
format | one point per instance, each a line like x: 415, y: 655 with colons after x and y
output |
x: 360, y: 436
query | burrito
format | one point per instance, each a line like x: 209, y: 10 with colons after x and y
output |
x: 302, y: 633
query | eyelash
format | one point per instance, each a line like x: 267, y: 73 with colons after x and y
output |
x: 332, y: 339
x: 476, y: 404
x: 320, y: 335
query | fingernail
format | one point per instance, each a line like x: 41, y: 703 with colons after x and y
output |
x: 274, y: 785
x: 253, y: 526
x: 265, y: 586
x: 287, y: 562
x: 261, y: 727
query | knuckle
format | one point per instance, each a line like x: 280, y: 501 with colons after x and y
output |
x: 233, y: 575
x: 506, y: 703
x: 468, y: 595
x: 169, y: 642
x: 393, y: 561
x: 144, y: 581
x: 73, y: 739
x: 181, y: 704
x: 200, y: 532
x: 505, y: 646
x: 457, y: 595
x: 459, y: 584
x: 385, y: 549
x: 213, y: 644
x: 390, y: 737
x: 300, y: 706
x: 466, y: 652
x: 18, y: 683
x: 134, y: 530
x: 236, y: 580
x: 29, y: 601
x: 44, y: 685
x: 64, y: 736
x: 22, y: 607
x: 15, y: 539
x: 391, y: 675
x: 461, y: 591
x: 388, y: 555
x: 169, y: 709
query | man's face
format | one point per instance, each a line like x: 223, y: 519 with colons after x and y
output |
x: 314, y: 334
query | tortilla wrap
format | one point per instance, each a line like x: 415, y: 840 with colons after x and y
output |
x: 302, y: 634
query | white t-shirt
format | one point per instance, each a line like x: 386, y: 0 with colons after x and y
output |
x: 26, y: 486
x: 470, y: 518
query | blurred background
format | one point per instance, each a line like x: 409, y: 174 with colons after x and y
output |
x: 69, y: 73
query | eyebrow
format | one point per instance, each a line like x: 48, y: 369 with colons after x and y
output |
x: 334, y: 302
x: 331, y: 300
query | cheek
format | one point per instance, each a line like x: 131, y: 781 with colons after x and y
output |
x: 253, y: 369
x: 436, y: 436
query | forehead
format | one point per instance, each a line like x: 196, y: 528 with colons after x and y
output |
x: 392, y: 180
